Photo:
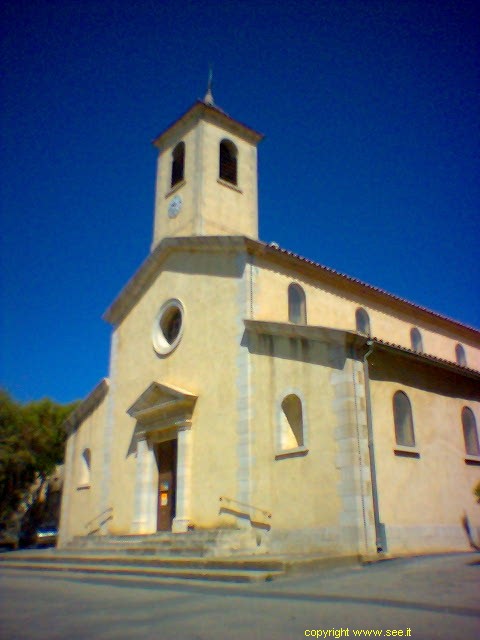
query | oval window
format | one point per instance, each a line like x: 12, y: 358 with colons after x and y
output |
x: 168, y: 327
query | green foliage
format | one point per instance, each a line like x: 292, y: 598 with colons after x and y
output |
x: 31, y: 444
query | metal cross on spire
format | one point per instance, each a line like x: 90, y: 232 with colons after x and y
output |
x: 208, y: 99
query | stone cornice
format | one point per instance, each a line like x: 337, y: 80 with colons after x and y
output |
x: 272, y: 254
x: 308, y: 332
x: 210, y: 113
x: 346, y: 337
x: 150, y: 268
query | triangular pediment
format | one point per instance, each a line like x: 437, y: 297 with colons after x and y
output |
x: 160, y: 401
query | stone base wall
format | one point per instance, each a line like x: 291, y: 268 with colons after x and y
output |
x: 428, y: 539
x: 321, y: 540
x: 344, y: 540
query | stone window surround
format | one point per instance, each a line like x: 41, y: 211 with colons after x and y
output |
x: 175, y: 188
x: 297, y: 303
x: 85, y: 469
x: 406, y: 452
x: 292, y: 452
x: 230, y: 185
x: 178, y: 164
x: 362, y: 321
x: 469, y: 424
x: 400, y: 447
x: 460, y: 355
x: 160, y: 344
x: 228, y: 162
x: 416, y: 340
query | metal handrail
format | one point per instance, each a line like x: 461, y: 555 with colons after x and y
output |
x: 100, y: 515
x: 244, y: 504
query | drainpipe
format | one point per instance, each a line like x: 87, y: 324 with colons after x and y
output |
x: 380, y: 538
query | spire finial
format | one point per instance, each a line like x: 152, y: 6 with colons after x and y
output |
x: 208, y: 99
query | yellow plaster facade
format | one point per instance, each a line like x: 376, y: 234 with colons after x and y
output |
x: 280, y: 410
x: 84, y: 461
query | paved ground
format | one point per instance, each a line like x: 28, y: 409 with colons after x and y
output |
x: 420, y: 598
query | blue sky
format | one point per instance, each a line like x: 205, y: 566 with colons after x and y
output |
x: 370, y: 164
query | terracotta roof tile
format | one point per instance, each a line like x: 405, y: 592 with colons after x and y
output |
x: 425, y: 356
x: 371, y: 287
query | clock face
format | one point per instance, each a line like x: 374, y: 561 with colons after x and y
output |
x: 174, y: 207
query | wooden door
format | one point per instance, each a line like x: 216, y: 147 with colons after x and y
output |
x: 167, y: 471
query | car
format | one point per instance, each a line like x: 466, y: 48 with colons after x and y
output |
x: 46, y: 536
x: 8, y: 538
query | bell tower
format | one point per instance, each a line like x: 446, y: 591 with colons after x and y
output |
x: 206, y: 176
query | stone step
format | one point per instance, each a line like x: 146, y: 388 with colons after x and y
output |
x: 195, y: 543
x: 127, y: 544
x: 226, y: 570
x: 222, y: 575
x: 210, y: 534
x: 144, y: 546
x: 197, y: 537
x: 250, y: 564
x: 142, y: 550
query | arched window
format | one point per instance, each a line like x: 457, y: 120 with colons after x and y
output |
x: 178, y: 163
x: 461, y: 355
x: 85, y: 467
x: 297, y: 307
x: 470, y: 433
x: 228, y: 162
x: 403, y: 419
x: 416, y: 340
x: 292, y: 423
x: 362, y: 321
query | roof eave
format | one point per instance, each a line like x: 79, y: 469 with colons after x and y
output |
x: 426, y: 358
x: 120, y: 307
x: 87, y: 406
x: 310, y: 267
x: 200, y: 108
x: 150, y: 268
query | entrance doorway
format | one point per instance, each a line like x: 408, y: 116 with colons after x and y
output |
x: 166, y: 454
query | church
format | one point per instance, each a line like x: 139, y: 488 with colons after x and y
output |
x: 264, y: 397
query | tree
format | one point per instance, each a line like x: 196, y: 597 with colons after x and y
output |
x: 31, y: 444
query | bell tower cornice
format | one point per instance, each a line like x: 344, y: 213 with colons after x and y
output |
x: 210, y: 112
x: 207, y: 175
